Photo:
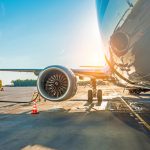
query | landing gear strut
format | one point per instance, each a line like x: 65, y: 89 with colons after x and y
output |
x: 94, y: 93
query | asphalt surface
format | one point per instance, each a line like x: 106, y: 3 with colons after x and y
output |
x: 73, y: 124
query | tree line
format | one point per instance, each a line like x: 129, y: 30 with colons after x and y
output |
x: 27, y: 82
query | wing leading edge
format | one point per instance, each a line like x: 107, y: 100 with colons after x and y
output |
x: 35, y: 71
x: 86, y: 72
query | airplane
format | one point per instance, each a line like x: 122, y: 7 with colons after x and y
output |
x: 125, y: 29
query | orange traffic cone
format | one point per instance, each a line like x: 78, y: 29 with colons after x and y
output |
x: 34, y: 110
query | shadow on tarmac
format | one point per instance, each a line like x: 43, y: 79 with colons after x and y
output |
x: 72, y: 130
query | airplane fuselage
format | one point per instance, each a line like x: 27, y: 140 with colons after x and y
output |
x: 125, y: 28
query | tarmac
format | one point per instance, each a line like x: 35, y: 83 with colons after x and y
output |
x: 120, y: 123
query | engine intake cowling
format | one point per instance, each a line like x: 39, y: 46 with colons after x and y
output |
x: 56, y: 83
x: 119, y: 43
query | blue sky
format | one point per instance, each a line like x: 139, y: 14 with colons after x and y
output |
x: 39, y: 33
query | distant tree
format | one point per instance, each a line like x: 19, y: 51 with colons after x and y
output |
x: 26, y: 82
x: 83, y: 83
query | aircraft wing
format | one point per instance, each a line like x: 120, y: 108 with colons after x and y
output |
x: 21, y: 70
x: 83, y: 72
x: 98, y: 73
x: 35, y: 71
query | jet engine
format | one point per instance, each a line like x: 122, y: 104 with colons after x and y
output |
x: 57, y: 83
x: 119, y: 42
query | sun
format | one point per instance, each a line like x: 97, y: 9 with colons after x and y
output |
x: 98, y: 59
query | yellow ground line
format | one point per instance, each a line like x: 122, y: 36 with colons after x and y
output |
x: 137, y: 115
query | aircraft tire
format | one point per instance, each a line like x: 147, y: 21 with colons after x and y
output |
x: 99, y: 96
x: 90, y: 96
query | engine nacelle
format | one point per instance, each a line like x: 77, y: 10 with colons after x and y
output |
x: 119, y: 42
x: 57, y: 83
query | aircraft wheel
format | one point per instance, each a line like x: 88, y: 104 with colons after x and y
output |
x: 90, y: 96
x: 134, y: 91
x: 137, y: 91
x: 131, y: 92
x: 99, y: 96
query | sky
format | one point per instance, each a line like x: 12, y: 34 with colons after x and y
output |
x: 40, y: 33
